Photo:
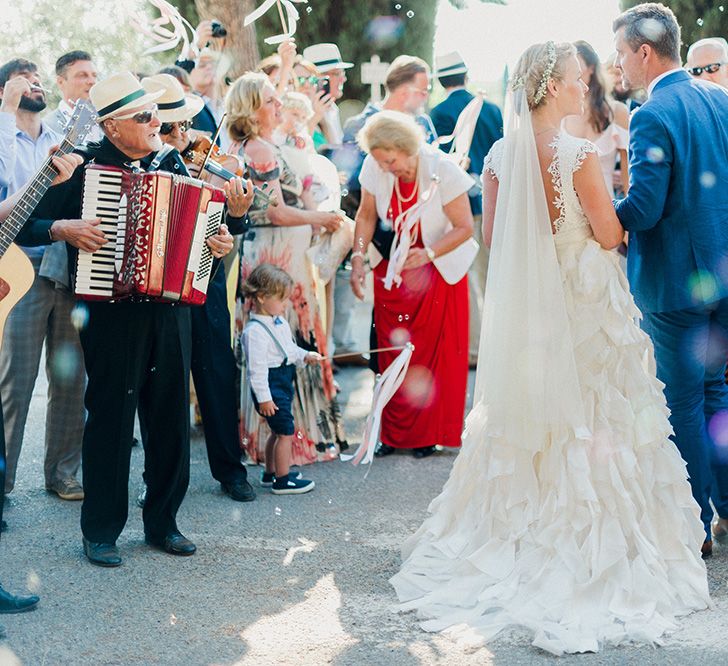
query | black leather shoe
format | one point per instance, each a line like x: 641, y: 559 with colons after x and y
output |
x: 9, y: 603
x: 382, y: 450
x: 423, y: 452
x: 174, y: 544
x: 102, y: 554
x: 240, y: 491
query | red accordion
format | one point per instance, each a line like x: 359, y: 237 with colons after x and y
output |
x: 157, y: 224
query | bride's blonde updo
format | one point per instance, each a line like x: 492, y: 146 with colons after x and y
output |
x: 537, y: 65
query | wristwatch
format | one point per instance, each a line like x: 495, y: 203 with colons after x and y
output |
x: 430, y: 253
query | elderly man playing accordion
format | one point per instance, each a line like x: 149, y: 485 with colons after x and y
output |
x: 137, y: 351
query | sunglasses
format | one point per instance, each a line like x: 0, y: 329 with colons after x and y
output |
x: 302, y: 80
x: 141, y: 118
x: 710, y: 69
x: 168, y: 128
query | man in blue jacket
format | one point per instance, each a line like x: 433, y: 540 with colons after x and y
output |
x: 452, y: 73
x: 676, y: 214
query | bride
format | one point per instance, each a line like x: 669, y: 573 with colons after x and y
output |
x: 568, y: 511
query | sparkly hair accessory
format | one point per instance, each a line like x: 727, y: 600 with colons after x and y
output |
x: 547, y: 73
x: 517, y: 82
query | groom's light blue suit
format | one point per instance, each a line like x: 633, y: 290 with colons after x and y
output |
x: 677, y: 215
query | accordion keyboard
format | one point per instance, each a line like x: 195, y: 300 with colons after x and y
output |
x: 101, y: 199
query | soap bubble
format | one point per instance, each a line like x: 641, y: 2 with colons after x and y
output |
x: 79, y: 316
x: 278, y: 511
x: 655, y: 154
x: 707, y: 179
x: 399, y: 337
x: 410, y: 14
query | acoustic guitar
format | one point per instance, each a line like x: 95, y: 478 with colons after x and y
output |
x: 16, y: 271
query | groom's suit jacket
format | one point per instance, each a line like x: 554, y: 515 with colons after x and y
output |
x: 677, y: 207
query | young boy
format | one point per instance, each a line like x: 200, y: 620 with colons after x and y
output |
x: 272, y: 357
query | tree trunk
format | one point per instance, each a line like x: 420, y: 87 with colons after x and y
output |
x: 240, y: 44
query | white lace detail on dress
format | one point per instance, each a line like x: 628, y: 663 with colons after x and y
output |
x: 569, y: 154
x: 492, y: 161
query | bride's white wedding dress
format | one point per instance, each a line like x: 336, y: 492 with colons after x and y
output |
x: 586, y: 538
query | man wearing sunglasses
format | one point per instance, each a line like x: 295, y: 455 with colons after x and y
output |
x: 213, y: 361
x: 708, y: 60
x: 137, y: 354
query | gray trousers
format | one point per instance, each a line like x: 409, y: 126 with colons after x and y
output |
x: 344, y: 313
x: 476, y: 288
x: 43, y: 315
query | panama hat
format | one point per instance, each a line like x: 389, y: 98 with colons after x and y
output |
x: 119, y: 93
x: 450, y: 64
x: 174, y: 105
x: 325, y: 57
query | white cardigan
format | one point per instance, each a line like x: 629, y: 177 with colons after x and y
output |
x: 452, y: 181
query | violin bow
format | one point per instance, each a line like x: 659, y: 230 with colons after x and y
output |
x: 212, y: 143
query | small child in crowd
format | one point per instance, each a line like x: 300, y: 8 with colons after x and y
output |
x: 272, y: 357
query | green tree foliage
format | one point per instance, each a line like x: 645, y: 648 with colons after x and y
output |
x: 697, y: 18
x: 42, y: 30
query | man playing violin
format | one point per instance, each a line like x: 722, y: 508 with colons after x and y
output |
x: 137, y: 354
x: 213, y: 361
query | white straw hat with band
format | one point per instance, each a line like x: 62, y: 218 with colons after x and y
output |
x: 173, y: 105
x: 450, y: 64
x: 119, y: 93
x: 325, y: 57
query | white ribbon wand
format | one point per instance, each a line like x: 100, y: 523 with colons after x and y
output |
x: 168, y: 39
x: 387, y: 384
x: 289, y: 26
x: 406, y: 221
x: 462, y: 135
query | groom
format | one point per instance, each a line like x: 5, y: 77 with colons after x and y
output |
x: 676, y: 214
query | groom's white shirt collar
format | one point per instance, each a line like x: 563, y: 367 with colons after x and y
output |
x: 657, y: 79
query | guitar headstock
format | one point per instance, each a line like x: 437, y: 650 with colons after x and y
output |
x: 82, y: 121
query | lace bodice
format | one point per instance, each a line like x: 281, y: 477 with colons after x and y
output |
x: 569, y: 154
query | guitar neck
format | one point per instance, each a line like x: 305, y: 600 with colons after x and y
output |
x: 32, y: 195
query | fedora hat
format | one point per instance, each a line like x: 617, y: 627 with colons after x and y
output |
x: 119, y: 93
x: 174, y: 105
x: 325, y: 57
x: 450, y: 64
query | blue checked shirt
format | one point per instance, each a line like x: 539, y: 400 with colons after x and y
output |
x: 20, y: 158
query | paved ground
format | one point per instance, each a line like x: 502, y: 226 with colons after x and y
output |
x: 292, y: 580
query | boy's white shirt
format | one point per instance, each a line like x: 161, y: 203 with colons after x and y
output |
x: 262, y: 353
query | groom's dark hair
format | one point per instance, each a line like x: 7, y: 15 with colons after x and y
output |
x: 654, y: 24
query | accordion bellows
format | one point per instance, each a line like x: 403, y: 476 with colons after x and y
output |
x: 157, y: 224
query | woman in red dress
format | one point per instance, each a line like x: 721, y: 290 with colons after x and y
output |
x: 423, y: 298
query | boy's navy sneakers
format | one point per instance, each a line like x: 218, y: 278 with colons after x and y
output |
x: 267, y: 478
x: 291, y: 485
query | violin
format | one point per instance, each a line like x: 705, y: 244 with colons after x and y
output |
x: 223, y: 166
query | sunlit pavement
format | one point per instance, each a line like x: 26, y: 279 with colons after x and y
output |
x: 282, y: 580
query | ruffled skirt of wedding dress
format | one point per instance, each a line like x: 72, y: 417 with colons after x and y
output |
x: 587, y: 542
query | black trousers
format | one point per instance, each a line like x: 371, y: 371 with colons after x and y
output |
x: 137, y: 356
x: 213, y: 371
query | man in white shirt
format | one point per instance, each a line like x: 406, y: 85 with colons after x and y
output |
x: 43, y: 315
x: 75, y: 75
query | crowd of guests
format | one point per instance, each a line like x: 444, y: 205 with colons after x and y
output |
x: 415, y: 211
